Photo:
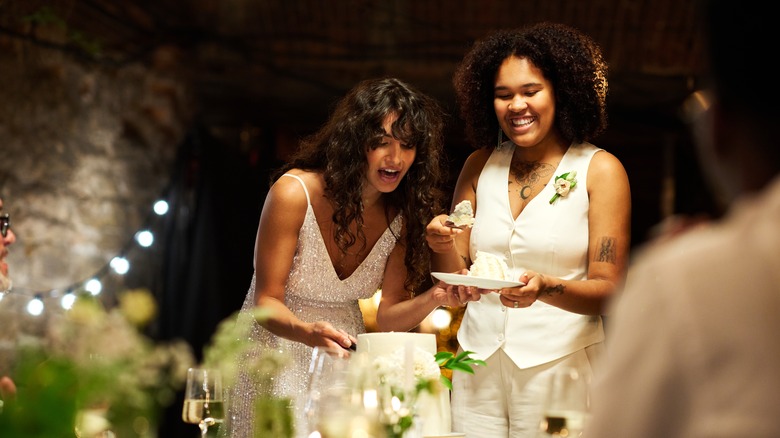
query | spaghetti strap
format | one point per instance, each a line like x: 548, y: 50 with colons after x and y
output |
x: 304, y: 186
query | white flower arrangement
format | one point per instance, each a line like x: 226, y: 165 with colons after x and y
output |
x: 404, y: 381
x: 563, y: 184
x: 392, y: 370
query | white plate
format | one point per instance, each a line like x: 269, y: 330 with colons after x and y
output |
x: 446, y: 435
x: 480, y: 282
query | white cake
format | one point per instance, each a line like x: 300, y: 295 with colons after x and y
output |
x: 463, y: 215
x: 433, y: 409
x: 487, y: 265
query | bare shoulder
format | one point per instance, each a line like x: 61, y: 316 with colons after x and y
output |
x: 478, y: 158
x: 608, y: 183
x: 606, y: 168
x: 289, y: 193
x: 474, y: 163
x: 604, y: 163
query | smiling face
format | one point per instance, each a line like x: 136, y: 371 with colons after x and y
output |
x: 389, y: 161
x: 524, y: 102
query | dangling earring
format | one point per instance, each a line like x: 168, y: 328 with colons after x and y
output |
x: 500, y: 137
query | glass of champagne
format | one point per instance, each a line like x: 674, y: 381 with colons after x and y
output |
x: 328, y: 387
x: 203, y: 401
x: 339, y: 402
x: 566, y: 405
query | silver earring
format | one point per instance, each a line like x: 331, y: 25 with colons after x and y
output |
x: 500, y: 137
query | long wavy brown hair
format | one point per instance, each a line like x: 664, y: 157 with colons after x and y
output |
x: 571, y: 60
x: 338, y: 150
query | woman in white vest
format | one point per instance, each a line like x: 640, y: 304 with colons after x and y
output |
x: 556, y: 208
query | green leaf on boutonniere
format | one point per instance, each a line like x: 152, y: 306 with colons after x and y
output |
x: 563, y: 184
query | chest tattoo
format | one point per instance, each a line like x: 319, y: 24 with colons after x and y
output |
x: 526, y: 178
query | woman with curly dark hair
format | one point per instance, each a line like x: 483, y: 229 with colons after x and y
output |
x: 345, y: 217
x: 553, y: 206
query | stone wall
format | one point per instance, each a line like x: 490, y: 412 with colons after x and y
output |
x: 85, y: 149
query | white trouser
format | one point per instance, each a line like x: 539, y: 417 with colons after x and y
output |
x: 501, y: 400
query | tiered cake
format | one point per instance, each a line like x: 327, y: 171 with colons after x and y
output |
x: 434, y: 410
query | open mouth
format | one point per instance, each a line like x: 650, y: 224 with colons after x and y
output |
x: 521, y: 122
x: 389, y: 175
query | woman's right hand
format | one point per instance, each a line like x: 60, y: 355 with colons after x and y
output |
x: 324, y: 334
x: 451, y: 295
x: 440, y: 237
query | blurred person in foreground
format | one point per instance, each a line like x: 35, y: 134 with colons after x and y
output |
x: 693, y: 349
x: 7, y: 238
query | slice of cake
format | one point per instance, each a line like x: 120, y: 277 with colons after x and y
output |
x: 462, y: 216
x: 487, y: 265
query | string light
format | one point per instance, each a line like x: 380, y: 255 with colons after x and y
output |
x: 35, y: 306
x: 67, y: 300
x: 120, y: 265
x: 93, y: 285
x: 144, y: 238
x: 161, y: 207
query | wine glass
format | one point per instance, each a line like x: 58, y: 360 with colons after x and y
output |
x: 328, y: 374
x: 338, y: 403
x: 203, y: 402
x: 566, y: 405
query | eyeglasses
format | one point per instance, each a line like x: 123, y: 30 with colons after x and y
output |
x: 5, y: 224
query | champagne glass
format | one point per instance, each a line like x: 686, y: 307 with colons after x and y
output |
x: 203, y: 402
x: 339, y: 403
x: 328, y: 385
x: 566, y: 405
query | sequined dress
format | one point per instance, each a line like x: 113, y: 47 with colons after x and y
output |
x: 313, y: 292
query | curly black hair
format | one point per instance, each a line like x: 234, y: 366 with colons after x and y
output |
x: 339, y: 150
x: 571, y: 60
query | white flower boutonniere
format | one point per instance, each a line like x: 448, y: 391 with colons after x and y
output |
x: 563, y: 184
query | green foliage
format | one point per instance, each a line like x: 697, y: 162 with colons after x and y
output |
x: 463, y: 362
x: 94, y: 372
x: 273, y: 418
x: 49, y: 387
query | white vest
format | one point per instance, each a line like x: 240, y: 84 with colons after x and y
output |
x: 548, y: 238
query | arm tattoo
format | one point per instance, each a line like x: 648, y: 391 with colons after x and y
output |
x: 606, y: 252
x: 554, y: 290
